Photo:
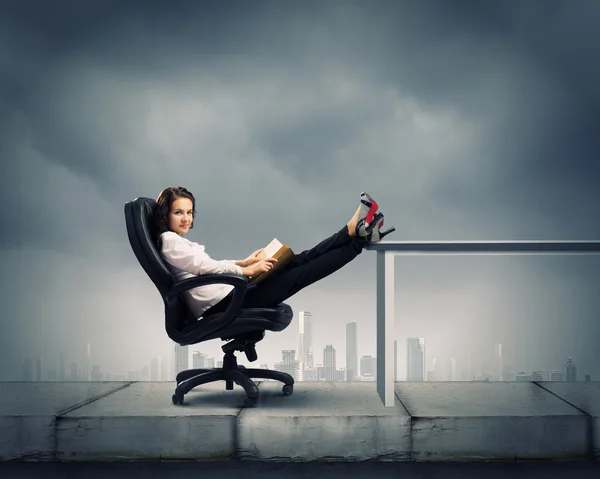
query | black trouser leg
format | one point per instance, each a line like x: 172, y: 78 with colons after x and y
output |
x: 307, y: 267
x: 337, y: 240
x: 312, y: 265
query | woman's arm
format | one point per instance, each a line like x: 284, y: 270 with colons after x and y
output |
x: 192, y: 258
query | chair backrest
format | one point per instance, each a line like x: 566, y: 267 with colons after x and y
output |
x: 139, y: 222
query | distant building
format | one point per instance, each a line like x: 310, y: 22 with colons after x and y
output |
x: 180, y: 360
x: 309, y: 374
x: 498, y: 363
x: 557, y: 376
x: 415, y: 359
x: 538, y: 376
x: 329, y: 363
x: 570, y: 370
x: 305, y: 340
x: 368, y: 366
x: 289, y: 364
x: 202, y: 361
x: 432, y: 374
x: 523, y: 377
x: 351, y: 352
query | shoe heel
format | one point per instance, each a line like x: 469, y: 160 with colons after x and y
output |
x: 383, y: 234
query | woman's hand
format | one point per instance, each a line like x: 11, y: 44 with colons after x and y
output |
x: 253, y: 258
x: 260, y: 266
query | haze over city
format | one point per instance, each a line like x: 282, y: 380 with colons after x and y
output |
x: 465, y: 120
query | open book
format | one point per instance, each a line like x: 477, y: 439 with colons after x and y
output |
x: 281, y: 252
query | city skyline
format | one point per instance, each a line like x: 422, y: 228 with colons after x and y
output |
x: 295, y: 362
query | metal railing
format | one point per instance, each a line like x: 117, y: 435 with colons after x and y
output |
x: 388, y: 250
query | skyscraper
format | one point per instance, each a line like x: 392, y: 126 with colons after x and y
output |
x: 180, y: 360
x: 432, y: 374
x: 498, y: 363
x: 305, y: 330
x: 570, y: 370
x: 351, y: 352
x: 88, y: 363
x: 415, y: 359
x: 329, y: 363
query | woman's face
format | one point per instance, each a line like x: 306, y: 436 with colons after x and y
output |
x: 180, y: 216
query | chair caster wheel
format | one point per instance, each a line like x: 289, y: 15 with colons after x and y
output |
x: 288, y: 389
x: 177, y: 398
x: 249, y: 402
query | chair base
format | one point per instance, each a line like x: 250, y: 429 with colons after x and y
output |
x: 231, y: 373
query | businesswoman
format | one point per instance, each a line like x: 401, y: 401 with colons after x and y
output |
x: 174, y: 216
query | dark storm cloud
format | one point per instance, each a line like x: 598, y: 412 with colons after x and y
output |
x: 527, y: 68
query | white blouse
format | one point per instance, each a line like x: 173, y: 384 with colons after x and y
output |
x: 186, y: 259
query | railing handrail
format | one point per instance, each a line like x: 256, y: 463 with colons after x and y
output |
x: 488, y: 246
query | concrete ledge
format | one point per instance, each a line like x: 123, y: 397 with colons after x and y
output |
x: 586, y: 397
x: 141, y: 423
x: 491, y: 421
x: 28, y: 412
x: 323, y: 421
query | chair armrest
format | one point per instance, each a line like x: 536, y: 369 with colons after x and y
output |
x: 240, y: 283
x: 235, y: 280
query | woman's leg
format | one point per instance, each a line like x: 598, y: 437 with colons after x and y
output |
x: 335, y: 241
x: 288, y: 282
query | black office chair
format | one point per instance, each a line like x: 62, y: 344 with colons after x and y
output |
x: 243, y: 328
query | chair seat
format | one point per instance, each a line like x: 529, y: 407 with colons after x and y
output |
x: 249, y: 320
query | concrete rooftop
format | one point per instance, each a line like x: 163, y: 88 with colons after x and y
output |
x: 338, y: 421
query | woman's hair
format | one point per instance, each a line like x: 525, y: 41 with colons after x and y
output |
x: 163, y: 207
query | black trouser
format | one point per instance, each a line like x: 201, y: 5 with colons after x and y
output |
x: 307, y: 267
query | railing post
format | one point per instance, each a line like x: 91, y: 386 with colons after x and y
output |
x: 385, y: 327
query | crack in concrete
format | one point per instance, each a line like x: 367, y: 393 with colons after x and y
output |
x: 85, y: 402
x: 592, y: 446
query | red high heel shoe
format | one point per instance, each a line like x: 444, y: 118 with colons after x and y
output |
x: 368, y: 215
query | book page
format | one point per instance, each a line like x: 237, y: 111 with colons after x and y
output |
x: 271, y: 248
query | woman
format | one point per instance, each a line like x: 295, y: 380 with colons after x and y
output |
x: 174, y: 217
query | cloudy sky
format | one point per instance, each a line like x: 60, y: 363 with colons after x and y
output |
x: 465, y: 120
